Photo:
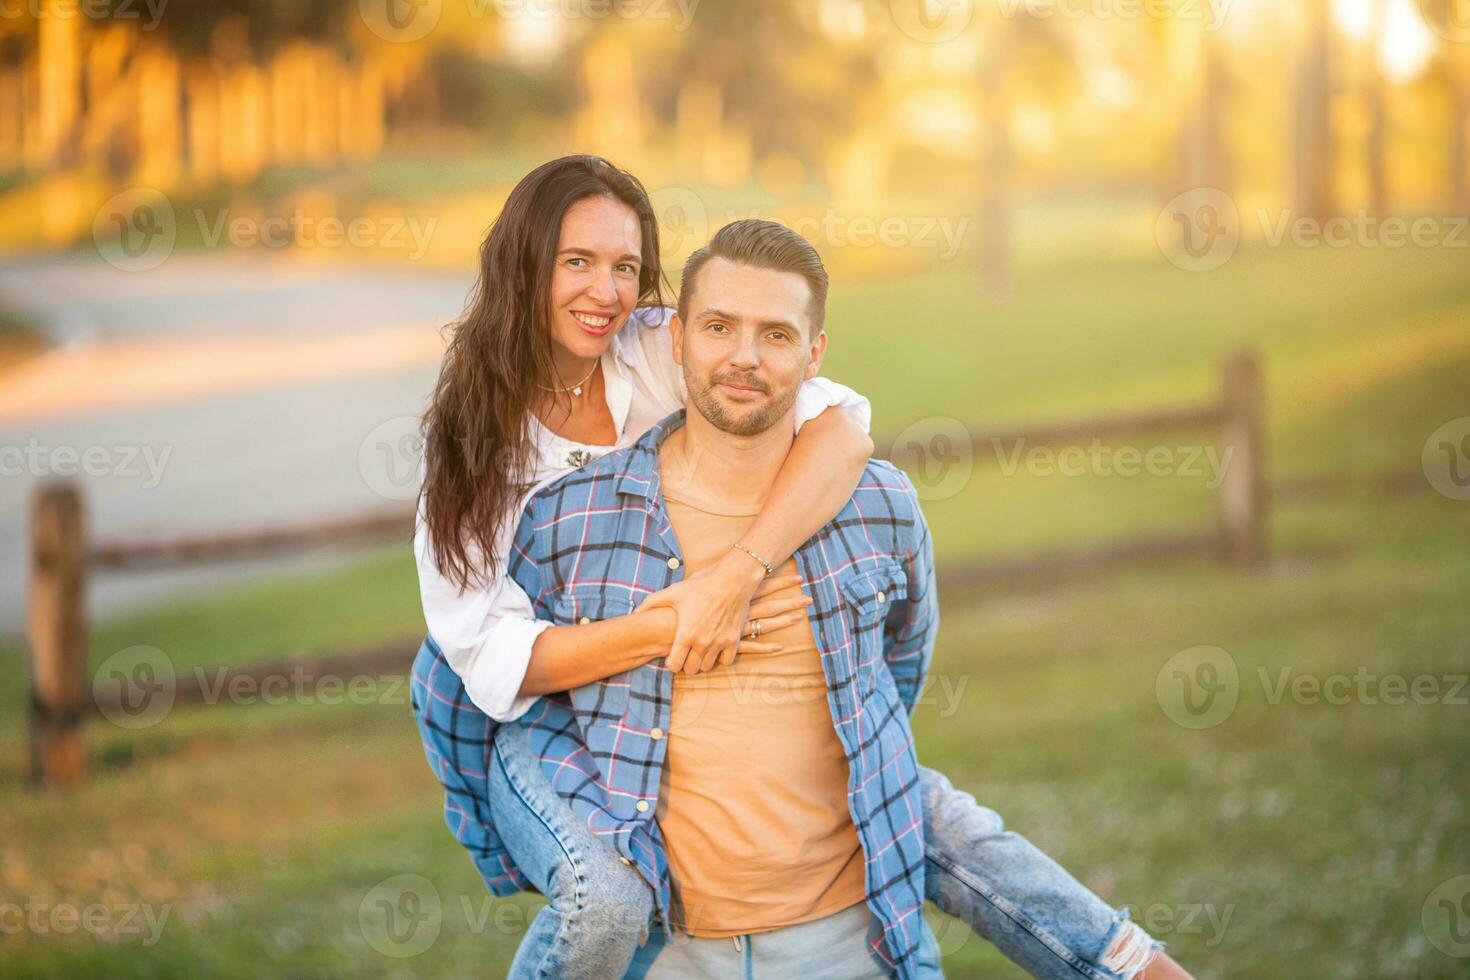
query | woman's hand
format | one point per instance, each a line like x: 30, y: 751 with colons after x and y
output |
x: 712, y: 607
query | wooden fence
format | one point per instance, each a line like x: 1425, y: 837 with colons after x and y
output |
x: 61, y: 556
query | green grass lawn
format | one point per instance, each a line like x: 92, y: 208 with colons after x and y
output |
x: 1297, y: 838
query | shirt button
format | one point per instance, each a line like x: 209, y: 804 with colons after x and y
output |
x: 673, y: 563
x: 642, y: 806
x: 584, y: 620
x: 882, y: 597
x: 656, y: 734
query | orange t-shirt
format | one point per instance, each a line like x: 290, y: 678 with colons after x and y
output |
x: 753, y: 799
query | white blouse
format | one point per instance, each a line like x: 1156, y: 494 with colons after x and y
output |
x: 486, y: 632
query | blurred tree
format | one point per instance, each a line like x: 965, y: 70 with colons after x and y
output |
x: 1022, y: 57
x: 778, y: 69
x: 1375, y: 103
x: 493, y: 99
x: 268, y: 24
x: 1193, y: 90
x: 1441, y: 14
x: 1459, y: 154
x: 1313, y: 150
x: 60, y: 60
x: 993, y: 215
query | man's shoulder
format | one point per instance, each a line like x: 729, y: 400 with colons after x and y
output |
x: 882, y: 481
x: 884, y: 501
x: 881, y: 474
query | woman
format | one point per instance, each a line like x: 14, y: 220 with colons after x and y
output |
x: 561, y: 356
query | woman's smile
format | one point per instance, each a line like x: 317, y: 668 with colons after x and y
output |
x: 597, y: 324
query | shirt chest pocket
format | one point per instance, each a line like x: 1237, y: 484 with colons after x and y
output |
x: 869, y: 595
x: 604, y: 709
x: 585, y: 604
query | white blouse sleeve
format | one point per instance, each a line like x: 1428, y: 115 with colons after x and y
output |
x: 648, y: 349
x: 486, y: 632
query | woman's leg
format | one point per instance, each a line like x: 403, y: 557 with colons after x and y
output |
x: 1013, y: 895
x: 599, y: 909
x: 457, y: 739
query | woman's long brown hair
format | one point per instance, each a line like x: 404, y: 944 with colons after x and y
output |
x: 478, y: 450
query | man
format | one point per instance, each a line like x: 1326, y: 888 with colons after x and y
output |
x: 775, y: 806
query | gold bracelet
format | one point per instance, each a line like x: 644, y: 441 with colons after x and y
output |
x: 764, y: 564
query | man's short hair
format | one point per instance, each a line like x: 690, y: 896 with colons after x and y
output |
x: 764, y: 245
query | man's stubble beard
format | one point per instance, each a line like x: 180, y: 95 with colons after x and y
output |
x: 714, y: 413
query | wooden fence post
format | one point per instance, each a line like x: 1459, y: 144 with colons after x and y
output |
x: 60, y: 696
x: 1242, y: 439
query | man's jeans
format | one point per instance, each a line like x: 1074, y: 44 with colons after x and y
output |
x: 834, y: 947
x: 600, y: 909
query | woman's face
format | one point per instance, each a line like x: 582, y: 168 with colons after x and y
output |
x: 594, y: 281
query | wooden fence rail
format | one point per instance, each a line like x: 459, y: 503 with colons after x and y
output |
x: 61, y: 691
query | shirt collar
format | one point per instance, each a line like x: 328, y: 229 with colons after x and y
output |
x: 617, y: 366
x: 617, y: 389
x: 639, y: 472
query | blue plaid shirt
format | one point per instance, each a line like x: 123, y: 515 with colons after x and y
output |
x: 592, y: 546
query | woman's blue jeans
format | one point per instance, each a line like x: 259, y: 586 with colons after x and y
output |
x: 599, y: 910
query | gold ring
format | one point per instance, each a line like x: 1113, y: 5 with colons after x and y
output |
x: 755, y: 629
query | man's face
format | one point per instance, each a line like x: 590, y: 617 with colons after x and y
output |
x: 747, y: 345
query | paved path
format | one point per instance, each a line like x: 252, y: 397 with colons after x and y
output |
x: 217, y: 392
